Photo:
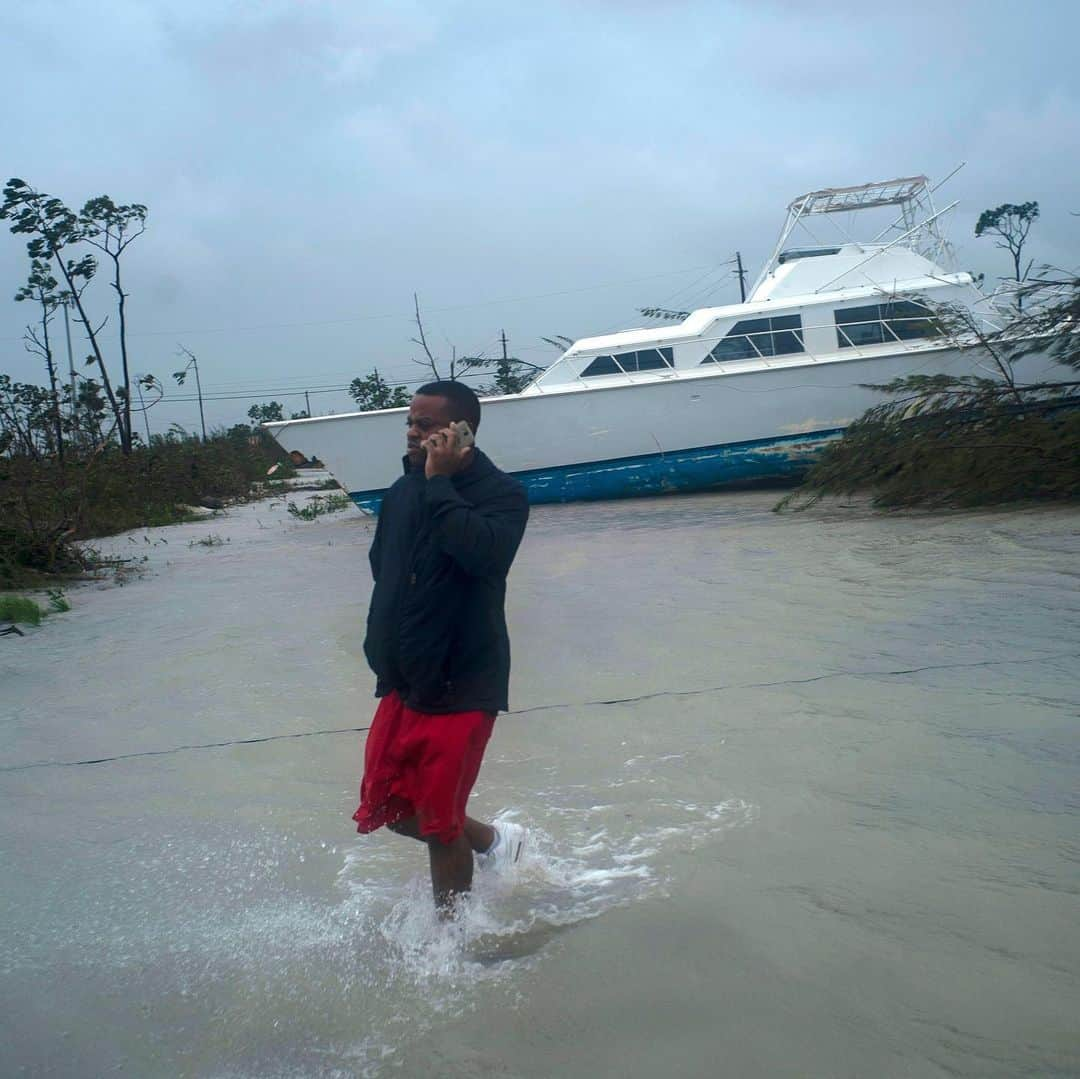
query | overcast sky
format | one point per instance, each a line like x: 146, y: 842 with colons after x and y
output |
x: 543, y: 168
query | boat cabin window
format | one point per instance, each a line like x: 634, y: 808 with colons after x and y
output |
x: 645, y: 359
x: 754, y: 337
x: 880, y: 323
x: 806, y: 253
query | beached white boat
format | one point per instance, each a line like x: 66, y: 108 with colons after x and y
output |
x: 737, y: 394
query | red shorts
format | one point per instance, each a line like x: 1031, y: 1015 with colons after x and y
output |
x: 417, y: 764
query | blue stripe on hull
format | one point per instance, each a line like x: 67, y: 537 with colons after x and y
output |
x: 664, y: 473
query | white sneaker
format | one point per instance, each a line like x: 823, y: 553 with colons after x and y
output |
x: 507, y: 848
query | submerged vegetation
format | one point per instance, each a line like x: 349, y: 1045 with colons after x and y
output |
x: 318, y: 506
x: 210, y: 540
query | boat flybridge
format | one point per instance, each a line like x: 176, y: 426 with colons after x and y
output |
x: 824, y: 303
x: 737, y: 394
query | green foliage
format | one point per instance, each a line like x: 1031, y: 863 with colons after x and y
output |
x: 50, y: 225
x: 25, y: 419
x: 964, y: 441
x: 1010, y: 223
x: 101, y: 219
x: 16, y: 609
x: 945, y: 458
x: 40, y: 283
x: 373, y: 392
x: 266, y: 413
x: 559, y: 342
x: 511, y: 375
x: 1005, y: 219
x: 1051, y: 324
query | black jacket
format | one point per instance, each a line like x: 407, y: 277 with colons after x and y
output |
x: 436, y: 629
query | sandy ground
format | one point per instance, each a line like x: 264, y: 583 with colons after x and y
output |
x: 802, y: 792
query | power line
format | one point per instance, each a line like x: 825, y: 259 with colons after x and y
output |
x: 399, y: 315
x: 291, y: 392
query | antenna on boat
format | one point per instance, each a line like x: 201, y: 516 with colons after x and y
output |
x: 942, y: 183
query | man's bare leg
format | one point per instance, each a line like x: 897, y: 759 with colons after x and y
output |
x: 479, y: 835
x: 451, y: 871
x: 451, y: 863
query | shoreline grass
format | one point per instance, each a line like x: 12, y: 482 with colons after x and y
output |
x: 50, y: 508
x: 22, y: 610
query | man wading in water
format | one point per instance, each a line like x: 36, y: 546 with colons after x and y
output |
x: 436, y: 639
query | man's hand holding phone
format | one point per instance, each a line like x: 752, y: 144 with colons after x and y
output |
x: 449, y: 451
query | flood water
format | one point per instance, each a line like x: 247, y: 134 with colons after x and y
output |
x: 804, y: 794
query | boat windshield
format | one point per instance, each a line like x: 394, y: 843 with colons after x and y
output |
x: 806, y: 253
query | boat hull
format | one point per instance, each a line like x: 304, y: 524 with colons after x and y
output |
x: 678, y: 434
x: 703, y: 468
x: 706, y: 468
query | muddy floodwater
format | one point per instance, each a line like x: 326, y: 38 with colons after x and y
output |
x: 803, y: 791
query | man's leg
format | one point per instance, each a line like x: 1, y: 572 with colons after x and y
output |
x: 448, y: 759
x: 407, y: 826
x: 451, y: 863
x: 479, y: 835
x: 451, y: 871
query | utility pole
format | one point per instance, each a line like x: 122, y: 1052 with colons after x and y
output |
x: 179, y: 376
x: 504, y: 368
x: 741, y: 274
x: 198, y: 390
x: 307, y: 401
x: 71, y: 362
x: 142, y: 408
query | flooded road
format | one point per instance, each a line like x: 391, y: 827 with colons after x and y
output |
x: 804, y: 790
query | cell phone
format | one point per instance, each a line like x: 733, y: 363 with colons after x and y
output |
x: 464, y: 433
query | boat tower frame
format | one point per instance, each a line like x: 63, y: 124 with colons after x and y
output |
x: 917, y: 221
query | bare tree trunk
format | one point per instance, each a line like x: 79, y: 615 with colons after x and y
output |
x: 50, y: 365
x: 1016, y: 253
x: 91, y: 335
x: 422, y: 340
x: 125, y: 426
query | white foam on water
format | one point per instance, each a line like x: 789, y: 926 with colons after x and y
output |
x: 508, y: 919
x: 326, y: 977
